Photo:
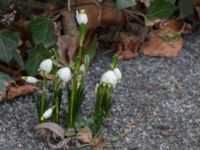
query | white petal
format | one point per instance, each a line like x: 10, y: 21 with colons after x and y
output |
x: 109, y: 77
x: 46, y: 65
x: 30, y: 79
x: 47, y: 114
x: 118, y: 73
x: 64, y: 74
x: 81, y: 17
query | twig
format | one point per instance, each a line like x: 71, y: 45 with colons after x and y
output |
x: 100, y: 10
x: 68, y: 5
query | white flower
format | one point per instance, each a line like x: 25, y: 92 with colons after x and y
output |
x: 81, y: 17
x: 82, y: 68
x: 109, y: 77
x: 64, y: 74
x: 30, y: 79
x: 118, y: 73
x: 47, y: 114
x: 46, y: 65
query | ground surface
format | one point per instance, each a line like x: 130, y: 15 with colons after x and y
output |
x: 165, y: 115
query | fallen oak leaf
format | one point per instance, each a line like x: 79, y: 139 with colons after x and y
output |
x: 166, y: 41
x: 159, y: 47
x: 84, y: 135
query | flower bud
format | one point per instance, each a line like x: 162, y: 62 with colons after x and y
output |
x: 64, y: 74
x: 30, y: 79
x: 81, y: 17
x: 47, y: 114
x: 82, y: 68
x: 118, y: 74
x: 46, y: 65
x: 109, y: 77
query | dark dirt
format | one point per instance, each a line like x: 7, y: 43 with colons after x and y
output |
x: 157, y: 105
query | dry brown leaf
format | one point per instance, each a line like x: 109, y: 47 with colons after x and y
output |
x: 169, y: 132
x: 102, y: 15
x: 99, y: 143
x: 196, y: 2
x: 198, y: 10
x: 14, y: 90
x: 158, y: 45
x: 84, y: 135
x: 127, y: 46
x: 131, y: 126
x: 169, y: 26
x: 68, y: 43
x: 52, y: 127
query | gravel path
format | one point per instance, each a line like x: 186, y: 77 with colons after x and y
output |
x: 157, y: 105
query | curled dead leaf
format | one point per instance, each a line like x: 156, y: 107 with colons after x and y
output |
x: 52, y: 127
x: 54, y: 133
x: 14, y: 90
x: 84, y: 135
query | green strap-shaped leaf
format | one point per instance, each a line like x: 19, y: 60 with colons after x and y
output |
x: 161, y: 9
x: 42, y: 31
x: 36, y: 55
x: 4, y: 4
x: 8, y: 44
x: 185, y: 8
x: 91, y: 50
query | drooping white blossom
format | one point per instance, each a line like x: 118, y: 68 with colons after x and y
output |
x: 47, y: 114
x: 109, y: 77
x: 64, y: 74
x: 118, y: 73
x: 30, y: 79
x: 81, y: 17
x: 46, y: 65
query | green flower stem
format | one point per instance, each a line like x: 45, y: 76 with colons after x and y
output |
x: 43, y: 98
x: 107, y: 100
x: 74, y: 88
x: 75, y: 79
x: 98, y: 115
x: 56, y: 112
x: 55, y: 116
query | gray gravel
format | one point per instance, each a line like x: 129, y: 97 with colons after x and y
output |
x: 165, y: 115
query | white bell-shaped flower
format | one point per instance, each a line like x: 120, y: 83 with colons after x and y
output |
x: 47, y: 114
x: 109, y: 77
x: 118, y: 73
x: 30, y: 79
x: 64, y: 74
x: 46, y: 65
x: 81, y: 17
